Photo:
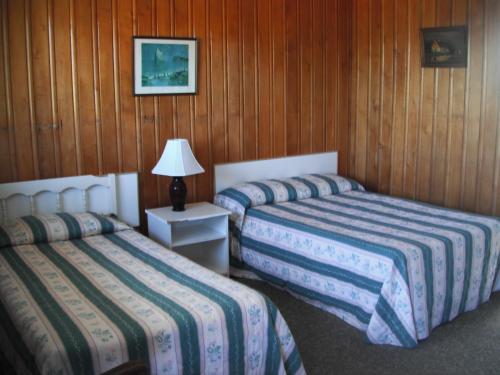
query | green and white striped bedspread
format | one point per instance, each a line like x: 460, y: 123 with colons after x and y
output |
x: 391, y: 267
x: 86, y: 305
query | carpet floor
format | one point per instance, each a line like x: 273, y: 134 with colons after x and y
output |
x: 468, y: 345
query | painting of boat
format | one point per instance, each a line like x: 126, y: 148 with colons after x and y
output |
x: 444, y: 47
x: 164, y: 66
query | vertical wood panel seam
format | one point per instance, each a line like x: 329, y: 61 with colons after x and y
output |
x: 74, y: 79
x: 482, y: 113
x: 31, y: 99
x: 8, y: 94
x: 53, y: 87
x: 97, y: 91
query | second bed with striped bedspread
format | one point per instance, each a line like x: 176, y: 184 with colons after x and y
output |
x: 392, y: 267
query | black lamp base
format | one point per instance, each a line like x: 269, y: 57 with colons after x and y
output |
x: 178, y: 192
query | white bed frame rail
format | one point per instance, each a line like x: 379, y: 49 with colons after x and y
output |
x: 109, y: 194
x: 227, y: 175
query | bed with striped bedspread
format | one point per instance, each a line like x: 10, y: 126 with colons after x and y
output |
x: 83, y: 294
x: 391, y: 267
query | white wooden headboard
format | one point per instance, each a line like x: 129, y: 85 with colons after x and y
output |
x: 227, y: 175
x: 109, y: 194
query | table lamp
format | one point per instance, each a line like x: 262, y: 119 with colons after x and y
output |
x: 177, y: 161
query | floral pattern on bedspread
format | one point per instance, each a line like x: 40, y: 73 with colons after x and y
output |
x: 90, y: 304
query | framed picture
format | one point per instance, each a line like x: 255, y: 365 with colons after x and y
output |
x: 164, y: 66
x: 444, y: 47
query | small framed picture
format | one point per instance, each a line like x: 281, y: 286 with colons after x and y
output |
x: 444, y: 47
x: 164, y: 66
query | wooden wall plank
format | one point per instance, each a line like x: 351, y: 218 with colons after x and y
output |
x: 456, y: 120
x: 233, y: 63
x: 201, y: 145
x: 413, y: 99
x: 64, y: 88
x: 182, y: 28
x: 145, y: 27
x: 263, y: 78
x: 249, y: 60
x: 362, y: 49
x: 495, y: 209
x: 127, y: 103
x: 7, y: 164
x: 374, y: 97
x: 387, y: 85
x: 106, y: 95
x: 85, y: 86
x: 318, y: 76
x: 278, y: 35
x: 42, y: 88
x: 476, y: 20
x: 26, y: 155
x: 400, y: 95
x: 489, y: 116
x: 305, y: 77
x: 164, y: 27
x: 292, y: 119
x: 426, y: 115
x: 442, y: 109
x: 217, y: 80
x: 343, y: 68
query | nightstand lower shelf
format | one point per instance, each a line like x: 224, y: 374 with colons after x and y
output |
x: 207, y: 255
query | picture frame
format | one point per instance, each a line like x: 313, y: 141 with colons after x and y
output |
x: 444, y: 46
x: 164, y: 66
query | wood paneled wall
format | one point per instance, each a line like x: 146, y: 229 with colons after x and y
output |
x: 430, y: 134
x: 273, y: 80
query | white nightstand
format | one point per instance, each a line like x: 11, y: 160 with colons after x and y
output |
x: 199, y: 233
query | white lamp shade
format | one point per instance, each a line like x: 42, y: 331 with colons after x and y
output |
x: 177, y: 160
